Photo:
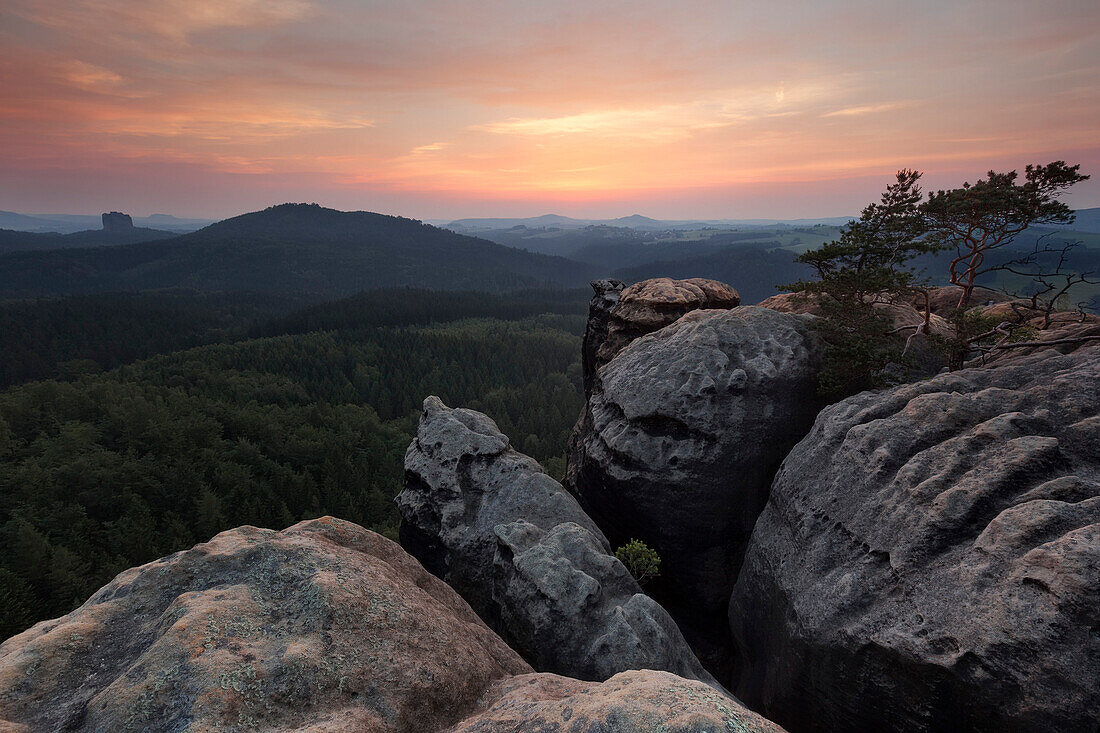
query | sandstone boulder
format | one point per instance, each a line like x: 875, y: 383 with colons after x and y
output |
x: 523, y: 553
x: 324, y: 626
x: 929, y: 559
x: 904, y: 315
x: 1065, y: 333
x: 630, y: 702
x: 678, y: 444
x: 651, y: 305
x: 943, y: 300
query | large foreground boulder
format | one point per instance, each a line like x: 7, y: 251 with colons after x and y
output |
x: 630, y: 702
x: 929, y: 559
x: 520, y: 550
x: 678, y: 444
x: 324, y: 626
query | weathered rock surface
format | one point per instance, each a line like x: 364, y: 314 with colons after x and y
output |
x: 651, y: 305
x: 1066, y: 333
x: 323, y: 626
x: 630, y: 702
x: 679, y: 442
x: 929, y: 559
x: 523, y: 553
x: 903, y: 315
x: 943, y: 300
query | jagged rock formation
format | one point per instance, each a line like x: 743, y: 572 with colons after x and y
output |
x: 678, y: 444
x: 929, y: 559
x: 323, y: 625
x: 630, y: 702
x: 115, y: 222
x: 521, y: 551
x: 606, y: 295
x: 650, y: 305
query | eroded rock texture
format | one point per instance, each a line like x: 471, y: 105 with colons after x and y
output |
x: 323, y: 626
x: 944, y: 300
x: 650, y: 305
x: 904, y: 315
x: 523, y: 553
x: 929, y: 559
x: 630, y: 702
x: 678, y: 444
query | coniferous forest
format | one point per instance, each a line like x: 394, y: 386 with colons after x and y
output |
x: 133, y: 446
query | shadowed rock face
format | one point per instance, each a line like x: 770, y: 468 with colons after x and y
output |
x: 324, y: 626
x: 630, y: 702
x: 929, y: 559
x: 678, y: 444
x: 605, y: 296
x: 521, y: 551
x: 116, y: 222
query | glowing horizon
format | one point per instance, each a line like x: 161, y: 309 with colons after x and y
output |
x: 443, y: 109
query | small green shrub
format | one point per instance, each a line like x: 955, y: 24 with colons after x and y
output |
x: 640, y: 559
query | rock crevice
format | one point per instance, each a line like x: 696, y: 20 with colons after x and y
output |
x: 523, y: 553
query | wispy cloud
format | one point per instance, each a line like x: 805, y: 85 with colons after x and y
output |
x: 865, y: 109
x: 504, y: 99
x: 89, y: 76
x: 669, y: 122
x: 429, y: 148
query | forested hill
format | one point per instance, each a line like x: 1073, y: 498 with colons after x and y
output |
x: 14, y: 241
x: 292, y: 248
x: 756, y: 270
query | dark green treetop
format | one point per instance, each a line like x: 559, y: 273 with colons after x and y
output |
x: 988, y: 214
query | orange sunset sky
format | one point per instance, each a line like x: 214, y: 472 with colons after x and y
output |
x: 441, y: 109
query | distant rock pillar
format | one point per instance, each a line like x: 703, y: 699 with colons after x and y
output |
x: 115, y: 222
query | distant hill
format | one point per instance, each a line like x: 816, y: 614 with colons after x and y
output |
x: 546, y: 220
x: 637, y: 221
x: 15, y: 241
x: 172, y: 223
x: 70, y: 223
x: 754, y: 271
x: 1088, y: 220
x: 24, y: 223
x: 292, y: 248
x: 634, y: 221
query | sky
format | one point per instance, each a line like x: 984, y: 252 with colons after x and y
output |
x: 441, y: 109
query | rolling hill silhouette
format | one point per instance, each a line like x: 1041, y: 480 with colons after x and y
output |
x: 292, y: 248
